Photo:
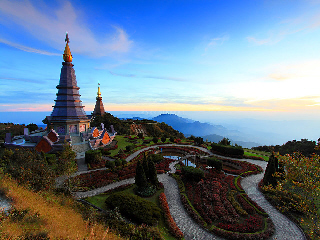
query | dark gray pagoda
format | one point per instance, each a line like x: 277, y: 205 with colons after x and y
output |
x: 98, y: 109
x: 68, y: 116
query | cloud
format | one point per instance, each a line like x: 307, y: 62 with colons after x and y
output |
x: 22, y: 80
x: 27, y: 49
x: 287, y: 27
x: 259, y: 41
x: 122, y: 75
x: 48, y: 24
x: 216, y: 41
x: 167, y: 78
x: 148, y: 76
x: 278, y: 77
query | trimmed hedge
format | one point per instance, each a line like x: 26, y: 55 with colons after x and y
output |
x: 192, y: 173
x: 214, y: 162
x: 93, y: 156
x: 227, y: 150
x: 135, y: 208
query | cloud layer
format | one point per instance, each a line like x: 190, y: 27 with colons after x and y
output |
x: 48, y: 26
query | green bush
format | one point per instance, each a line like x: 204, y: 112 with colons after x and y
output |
x: 216, y: 163
x: 51, y: 159
x: 123, y: 162
x: 129, y: 148
x: 93, y: 156
x: 135, y: 208
x: 155, y: 139
x: 118, y: 162
x: 110, y: 164
x: 156, y: 158
x: 192, y: 173
x: 228, y: 150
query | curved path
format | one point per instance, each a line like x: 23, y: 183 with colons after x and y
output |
x: 285, y: 229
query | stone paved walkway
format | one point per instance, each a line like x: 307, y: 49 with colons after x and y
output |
x: 285, y: 229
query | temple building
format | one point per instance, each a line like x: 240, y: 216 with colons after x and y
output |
x: 98, y: 109
x: 68, y: 122
x: 68, y: 116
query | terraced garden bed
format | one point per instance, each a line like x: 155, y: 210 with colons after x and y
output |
x: 218, y: 203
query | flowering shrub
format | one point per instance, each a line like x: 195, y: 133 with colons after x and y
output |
x: 250, y: 225
x: 173, y: 228
x: 217, y: 201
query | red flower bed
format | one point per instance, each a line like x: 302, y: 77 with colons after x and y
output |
x: 186, y: 149
x: 164, y: 165
x: 245, y: 205
x: 173, y: 228
x: 209, y: 199
x: 100, y: 178
x: 230, y: 181
x: 252, y: 224
x: 245, y: 167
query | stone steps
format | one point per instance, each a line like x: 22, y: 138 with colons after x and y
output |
x: 81, y: 147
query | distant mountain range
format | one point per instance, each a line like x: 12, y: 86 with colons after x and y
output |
x: 213, y: 133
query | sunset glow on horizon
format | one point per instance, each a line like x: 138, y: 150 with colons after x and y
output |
x: 251, y: 56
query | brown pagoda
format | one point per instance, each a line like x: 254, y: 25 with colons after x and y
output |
x: 68, y: 116
x: 98, y: 109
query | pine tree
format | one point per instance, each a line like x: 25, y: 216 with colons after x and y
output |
x: 153, y: 173
x: 146, y: 167
x: 140, y: 178
x: 270, y: 170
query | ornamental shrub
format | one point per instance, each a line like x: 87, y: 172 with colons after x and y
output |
x: 156, y: 158
x: 192, y: 173
x: 93, y: 156
x: 214, y: 162
x: 153, y: 177
x: 110, y: 164
x: 118, y: 162
x: 270, y: 171
x: 135, y: 208
x: 140, y: 178
x: 227, y: 150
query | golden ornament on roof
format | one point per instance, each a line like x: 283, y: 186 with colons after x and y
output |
x: 67, y: 57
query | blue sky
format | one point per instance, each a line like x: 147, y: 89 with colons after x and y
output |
x: 257, y: 57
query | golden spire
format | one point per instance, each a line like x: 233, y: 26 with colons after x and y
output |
x: 99, y: 93
x: 67, y: 57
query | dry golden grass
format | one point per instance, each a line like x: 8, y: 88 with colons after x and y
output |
x: 56, y: 216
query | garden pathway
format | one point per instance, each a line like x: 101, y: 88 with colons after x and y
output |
x: 285, y: 229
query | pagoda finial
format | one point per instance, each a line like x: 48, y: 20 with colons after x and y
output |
x: 67, y: 38
x: 67, y: 57
x: 99, y: 93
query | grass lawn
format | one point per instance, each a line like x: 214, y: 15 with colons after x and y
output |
x: 99, y: 201
x: 123, y: 142
x: 256, y: 155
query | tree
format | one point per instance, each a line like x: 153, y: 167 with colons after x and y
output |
x: 225, y: 141
x: 140, y: 178
x: 269, y: 177
x: 198, y: 140
x: 66, y: 161
x: 155, y: 139
x: 32, y: 127
x: 153, y: 177
x: 163, y: 139
x: 145, y: 167
x: 29, y: 168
